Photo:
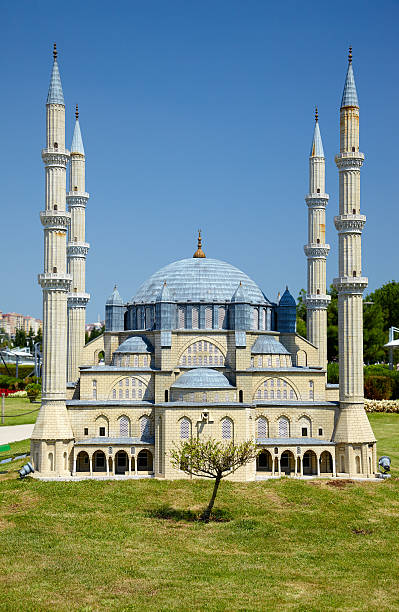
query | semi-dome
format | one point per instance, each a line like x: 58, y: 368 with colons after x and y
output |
x: 202, y: 378
x: 135, y: 344
x: 267, y: 345
x: 199, y: 280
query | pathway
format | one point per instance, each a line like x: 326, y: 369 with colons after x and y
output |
x: 14, y: 433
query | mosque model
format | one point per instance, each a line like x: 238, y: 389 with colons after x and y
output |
x: 200, y: 350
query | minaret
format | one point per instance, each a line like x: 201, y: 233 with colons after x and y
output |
x: 316, y: 249
x: 52, y: 436
x: 353, y: 428
x: 77, y: 250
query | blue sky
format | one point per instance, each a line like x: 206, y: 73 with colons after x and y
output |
x: 196, y: 114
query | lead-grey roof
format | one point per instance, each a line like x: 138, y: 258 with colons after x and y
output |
x: 349, y: 96
x: 294, y: 442
x: 77, y: 142
x: 55, y: 94
x: 113, y: 441
x: 317, y: 145
x: 135, y: 344
x: 267, y: 345
x: 202, y: 378
x: 115, y: 298
x: 199, y: 280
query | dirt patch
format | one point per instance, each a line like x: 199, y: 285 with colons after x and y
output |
x: 133, y: 586
x: 359, y: 531
x: 339, y: 484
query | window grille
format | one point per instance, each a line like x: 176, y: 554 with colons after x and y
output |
x: 221, y: 317
x: 262, y: 427
x: 285, y: 393
x: 184, y: 360
x: 205, y: 360
x: 126, y: 382
x: 133, y: 393
x: 195, y: 318
x: 140, y: 393
x: 263, y: 318
x: 136, y: 360
x: 113, y: 393
x: 120, y: 393
x: 210, y: 360
x: 208, y: 318
x: 189, y: 360
x: 283, y: 427
x: 180, y: 318
x: 184, y: 429
x: 265, y: 394
x: 145, y: 427
x: 124, y: 427
x: 227, y: 429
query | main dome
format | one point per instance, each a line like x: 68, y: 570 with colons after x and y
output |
x: 199, y: 280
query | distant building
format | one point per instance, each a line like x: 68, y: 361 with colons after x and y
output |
x: 11, y: 321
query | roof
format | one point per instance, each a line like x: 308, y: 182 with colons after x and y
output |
x: 240, y: 295
x: 317, y: 145
x: 349, y: 96
x: 294, y: 442
x: 199, y: 280
x: 287, y: 299
x: 135, y: 344
x: 202, y: 378
x: 115, y: 298
x: 267, y: 345
x: 77, y: 142
x: 164, y: 295
x: 111, y: 441
x: 55, y: 94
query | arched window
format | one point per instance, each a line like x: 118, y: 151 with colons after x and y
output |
x: 124, y: 427
x: 269, y: 386
x: 311, y: 389
x: 208, y: 317
x: 185, y: 429
x: 145, y: 427
x: 262, y: 427
x: 181, y: 318
x: 204, y: 353
x: 221, y: 317
x: 195, y: 318
x: 263, y: 318
x: 305, y: 427
x: 283, y: 427
x: 255, y: 318
x: 227, y: 429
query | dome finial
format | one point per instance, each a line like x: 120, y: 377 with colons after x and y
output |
x: 316, y: 114
x: 199, y: 252
x: 55, y: 52
x: 77, y: 112
x: 350, y: 55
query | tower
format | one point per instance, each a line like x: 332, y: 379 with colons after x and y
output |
x: 316, y: 249
x: 353, y: 434
x: 52, y: 436
x: 77, y: 250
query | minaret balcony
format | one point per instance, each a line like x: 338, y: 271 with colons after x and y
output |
x: 350, y: 224
x: 317, y: 200
x: 316, y: 251
x: 351, y: 284
x: 349, y: 160
x: 317, y: 301
x: 55, y: 219
x: 52, y: 281
x: 55, y: 157
x: 77, y: 198
x: 78, y: 300
x: 77, y: 249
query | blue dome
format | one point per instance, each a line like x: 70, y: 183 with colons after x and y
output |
x: 202, y: 378
x: 287, y: 299
x: 199, y: 280
x: 135, y: 344
x: 267, y: 345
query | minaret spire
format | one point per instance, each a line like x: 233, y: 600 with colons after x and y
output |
x: 316, y: 249
x: 77, y: 250
x: 353, y: 433
x: 199, y: 253
x: 52, y: 436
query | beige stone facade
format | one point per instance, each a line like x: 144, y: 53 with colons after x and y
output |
x: 200, y: 351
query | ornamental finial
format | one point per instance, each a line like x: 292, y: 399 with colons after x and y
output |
x: 316, y: 114
x: 55, y: 52
x: 199, y: 253
x: 77, y: 112
x: 350, y: 55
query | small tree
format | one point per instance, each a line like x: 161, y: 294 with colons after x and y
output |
x: 212, y: 459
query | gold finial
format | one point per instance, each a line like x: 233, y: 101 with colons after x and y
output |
x: 55, y: 52
x: 316, y: 115
x: 77, y: 113
x: 199, y: 252
x: 350, y: 55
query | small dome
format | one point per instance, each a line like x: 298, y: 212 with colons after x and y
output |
x: 267, y: 345
x: 135, y: 344
x: 202, y: 378
x: 115, y: 298
x: 287, y: 299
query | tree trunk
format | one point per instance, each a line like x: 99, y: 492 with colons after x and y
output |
x: 207, y: 513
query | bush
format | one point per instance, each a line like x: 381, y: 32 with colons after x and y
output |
x: 333, y: 373
x: 378, y: 387
x: 33, y: 390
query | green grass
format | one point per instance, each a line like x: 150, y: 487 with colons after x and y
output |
x: 288, y: 545
x: 16, y: 448
x: 17, y: 408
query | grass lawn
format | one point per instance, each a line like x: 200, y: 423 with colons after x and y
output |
x: 283, y: 545
x: 17, y: 448
x: 17, y: 409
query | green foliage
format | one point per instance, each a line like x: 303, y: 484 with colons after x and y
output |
x: 378, y: 387
x: 20, y: 338
x: 333, y: 373
x: 374, y: 336
x: 33, y: 390
x: 23, y: 370
x: 95, y: 332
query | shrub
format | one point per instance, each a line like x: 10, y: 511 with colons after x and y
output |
x: 378, y: 387
x: 333, y: 373
x: 33, y: 390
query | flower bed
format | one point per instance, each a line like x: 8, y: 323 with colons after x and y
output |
x: 381, y: 405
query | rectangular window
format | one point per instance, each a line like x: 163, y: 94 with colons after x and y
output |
x: 195, y: 318
x: 95, y: 394
x: 113, y: 393
x: 127, y: 394
x: 102, y: 431
x: 320, y: 432
x: 304, y: 431
x: 259, y: 362
x: 86, y: 431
